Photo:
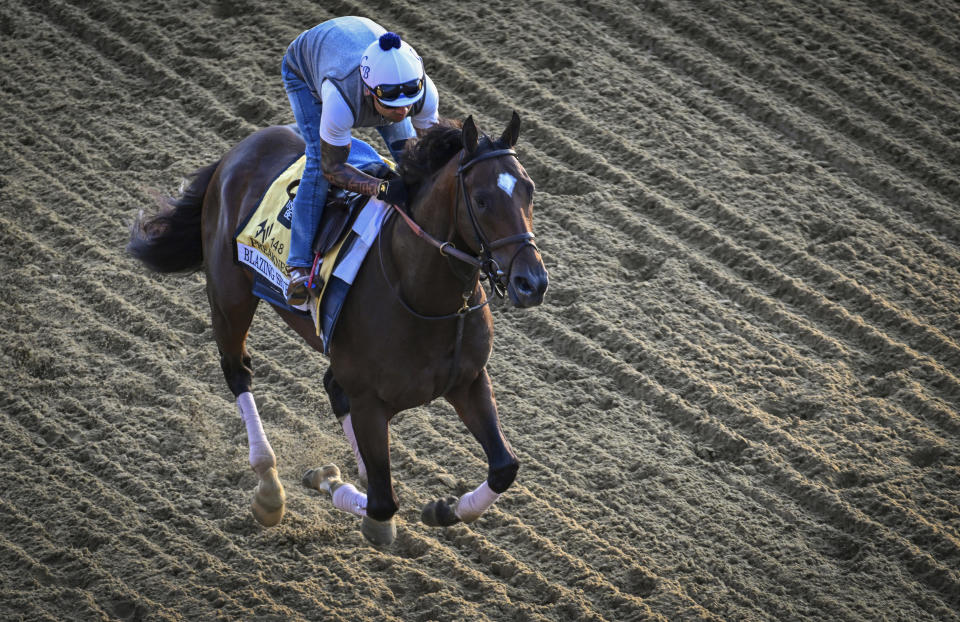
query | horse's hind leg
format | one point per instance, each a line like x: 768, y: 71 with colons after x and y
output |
x: 340, y: 404
x: 232, y: 314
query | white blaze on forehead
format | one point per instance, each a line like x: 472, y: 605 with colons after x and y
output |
x: 506, y: 181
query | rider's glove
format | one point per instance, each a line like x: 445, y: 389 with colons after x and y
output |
x: 393, y: 192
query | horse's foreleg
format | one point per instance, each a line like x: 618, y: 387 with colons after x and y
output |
x: 477, y: 409
x: 377, y: 507
x: 371, y: 428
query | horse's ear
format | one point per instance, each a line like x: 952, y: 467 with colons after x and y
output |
x: 512, y: 133
x: 471, y: 136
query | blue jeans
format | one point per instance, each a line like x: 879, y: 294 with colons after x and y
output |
x: 312, y: 191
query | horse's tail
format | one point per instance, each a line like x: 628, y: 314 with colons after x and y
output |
x: 170, y: 240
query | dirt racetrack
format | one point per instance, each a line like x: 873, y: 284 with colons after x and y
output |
x: 740, y: 401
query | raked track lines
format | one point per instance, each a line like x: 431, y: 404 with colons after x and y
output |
x: 740, y: 400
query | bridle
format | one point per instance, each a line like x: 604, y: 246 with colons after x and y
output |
x: 486, y: 266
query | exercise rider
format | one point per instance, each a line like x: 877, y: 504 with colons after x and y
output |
x: 344, y: 73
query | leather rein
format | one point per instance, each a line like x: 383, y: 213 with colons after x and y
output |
x: 486, y: 266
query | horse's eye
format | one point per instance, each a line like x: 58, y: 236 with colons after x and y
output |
x: 482, y: 202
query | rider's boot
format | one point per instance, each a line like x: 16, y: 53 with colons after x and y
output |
x: 297, y: 292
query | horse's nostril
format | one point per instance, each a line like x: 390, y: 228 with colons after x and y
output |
x: 523, y: 286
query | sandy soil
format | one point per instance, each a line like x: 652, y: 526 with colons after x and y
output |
x: 741, y: 400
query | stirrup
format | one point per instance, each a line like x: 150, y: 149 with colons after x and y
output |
x: 297, y: 292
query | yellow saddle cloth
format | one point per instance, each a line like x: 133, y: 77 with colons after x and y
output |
x: 262, y: 243
x: 263, y: 240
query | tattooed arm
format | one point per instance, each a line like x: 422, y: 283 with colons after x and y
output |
x: 333, y: 159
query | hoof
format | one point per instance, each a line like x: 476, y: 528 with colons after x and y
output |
x: 325, y: 479
x: 378, y: 533
x: 440, y: 513
x: 269, y: 499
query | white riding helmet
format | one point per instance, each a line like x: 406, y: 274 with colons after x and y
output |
x: 393, y: 71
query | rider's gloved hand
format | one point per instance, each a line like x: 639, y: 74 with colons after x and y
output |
x: 393, y: 192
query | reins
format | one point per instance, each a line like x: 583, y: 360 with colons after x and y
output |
x: 485, y: 264
x: 445, y: 248
x: 465, y: 308
x: 489, y: 265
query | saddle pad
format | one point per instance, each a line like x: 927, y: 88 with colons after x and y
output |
x: 342, y: 263
x: 263, y: 240
x: 262, y: 244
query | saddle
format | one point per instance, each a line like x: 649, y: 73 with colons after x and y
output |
x: 349, y: 226
x: 341, y: 209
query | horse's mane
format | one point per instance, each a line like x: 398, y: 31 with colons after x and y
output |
x: 426, y: 155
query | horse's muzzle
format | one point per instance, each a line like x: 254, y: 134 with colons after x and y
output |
x: 528, y: 283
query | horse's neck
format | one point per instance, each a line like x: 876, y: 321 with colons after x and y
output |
x: 426, y: 277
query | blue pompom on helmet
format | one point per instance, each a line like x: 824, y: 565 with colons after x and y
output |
x: 389, y: 40
x: 393, y: 71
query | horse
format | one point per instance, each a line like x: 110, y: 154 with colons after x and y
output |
x: 416, y: 324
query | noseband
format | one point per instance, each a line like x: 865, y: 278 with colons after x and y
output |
x: 488, y: 266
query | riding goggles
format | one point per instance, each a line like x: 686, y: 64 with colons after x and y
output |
x: 388, y: 92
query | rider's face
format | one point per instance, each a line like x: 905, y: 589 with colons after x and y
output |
x: 391, y: 114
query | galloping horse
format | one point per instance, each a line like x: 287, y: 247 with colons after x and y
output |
x: 415, y: 325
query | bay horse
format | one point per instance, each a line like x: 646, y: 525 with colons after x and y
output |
x: 415, y: 326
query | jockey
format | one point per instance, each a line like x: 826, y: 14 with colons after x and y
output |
x: 344, y: 73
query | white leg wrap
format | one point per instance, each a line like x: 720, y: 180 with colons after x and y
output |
x: 475, y: 503
x: 347, y: 498
x: 347, y: 424
x: 261, y: 454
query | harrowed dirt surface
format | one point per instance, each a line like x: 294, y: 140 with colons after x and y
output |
x: 740, y: 400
